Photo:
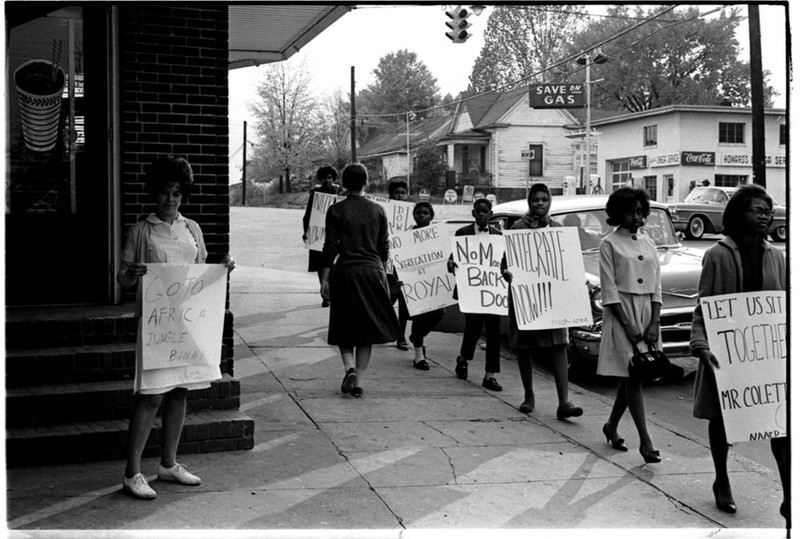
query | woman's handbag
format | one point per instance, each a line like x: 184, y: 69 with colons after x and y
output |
x: 650, y: 365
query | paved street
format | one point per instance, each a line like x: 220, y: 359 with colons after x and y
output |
x: 421, y: 451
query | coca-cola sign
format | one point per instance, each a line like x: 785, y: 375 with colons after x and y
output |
x: 698, y: 159
x: 638, y: 161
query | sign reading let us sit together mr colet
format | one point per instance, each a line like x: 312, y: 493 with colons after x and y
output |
x: 556, y: 96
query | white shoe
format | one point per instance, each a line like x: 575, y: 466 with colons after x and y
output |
x: 178, y: 474
x: 137, y: 487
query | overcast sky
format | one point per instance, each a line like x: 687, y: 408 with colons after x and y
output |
x: 361, y: 37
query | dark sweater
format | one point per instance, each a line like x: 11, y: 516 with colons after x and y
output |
x: 357, y: 230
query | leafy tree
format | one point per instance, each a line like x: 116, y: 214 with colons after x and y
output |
x: 677, y: 58
x: 402, y: 83
x: 522, y: 40
x: 429, y: 168
x: 287, y: 123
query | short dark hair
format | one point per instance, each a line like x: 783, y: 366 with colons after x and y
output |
x: 732, y: 217
x: 395, y: 184
x: 482, y: 200
x: 166, y: 170
x: 538, y: 188
x: 354, y: 176
x: 326, y: 170
x: 622, y: 200
x: 424, y: 204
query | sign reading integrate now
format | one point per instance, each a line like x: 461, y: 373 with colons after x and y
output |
x: 556, y: 96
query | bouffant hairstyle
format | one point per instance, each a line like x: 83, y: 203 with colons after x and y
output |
x: 166, y: 170
x: 424, y: 204
x: 484, y: 201
x: 324, y: 171
x: 354, y: 176
x: 396, y: 184
x: 624, y: 199
x: 739, y: 204
x: 538, y: 188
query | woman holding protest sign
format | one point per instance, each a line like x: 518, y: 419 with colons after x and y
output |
x: 326, y: 175
x: 357, y: 240
x: 742, y: 261
x: 165, y: 236
x: 630, y: 283
x: 551, y: 343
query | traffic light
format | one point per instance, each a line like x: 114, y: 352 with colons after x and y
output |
x: 458, y: 24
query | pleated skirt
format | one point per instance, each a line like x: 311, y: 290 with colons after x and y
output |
x: 361, y: 310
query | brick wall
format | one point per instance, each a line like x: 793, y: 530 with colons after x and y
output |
x: 174, y: 71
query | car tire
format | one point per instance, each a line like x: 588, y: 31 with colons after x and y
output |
x: 696, y: 228
x: 780, y: 233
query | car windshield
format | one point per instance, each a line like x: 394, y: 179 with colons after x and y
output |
x: 592, y: 227
x: 706, y: 194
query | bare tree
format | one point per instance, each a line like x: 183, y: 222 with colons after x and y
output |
x: 287, y: 122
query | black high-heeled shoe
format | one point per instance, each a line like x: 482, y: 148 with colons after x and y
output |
x: 653, y: 457
x: 725, y: 505
x: 618, y: 444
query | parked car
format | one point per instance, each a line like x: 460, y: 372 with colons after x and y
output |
x: 701, y: 213
x: 680, y: 272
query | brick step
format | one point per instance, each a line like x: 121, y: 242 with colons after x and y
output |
x: 203, y: 432
x: 36, y: 406
x: 70, y: 364
x: 69, y: 326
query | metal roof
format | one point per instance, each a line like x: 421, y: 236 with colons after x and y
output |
x: 264, y: 33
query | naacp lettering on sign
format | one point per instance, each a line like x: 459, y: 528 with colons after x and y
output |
x: 703, y: 159
x: 556, y: 96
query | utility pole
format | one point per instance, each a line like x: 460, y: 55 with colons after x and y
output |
x: 244, y: 166
x: 353, y: 158
x: 757, y: 97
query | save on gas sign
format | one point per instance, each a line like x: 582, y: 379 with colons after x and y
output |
x: 556, y: 96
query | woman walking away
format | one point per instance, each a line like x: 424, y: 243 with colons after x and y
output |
x: 550, y: 343
x: 326, y: 175
x: 630, y: 283
x: 357, y: 232
x: 742, y: 261
x: 165, y: 236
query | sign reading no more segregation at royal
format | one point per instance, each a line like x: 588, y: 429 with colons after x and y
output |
x: 183, y: 311
x: 549, y: 283
x: 747, y: 334
x: 420, y: 259
x: 481, y: 287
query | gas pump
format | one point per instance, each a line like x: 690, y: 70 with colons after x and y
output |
x: 569, y: 184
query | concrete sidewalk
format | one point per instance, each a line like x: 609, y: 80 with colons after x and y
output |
x: 420, y: 451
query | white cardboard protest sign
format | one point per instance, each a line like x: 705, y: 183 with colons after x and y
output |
x: 747, y: 334
x: 549, y: 282
x: 183, y: 312
x: 481, y: 288
x: 315, y: 235
x: 420, y: 259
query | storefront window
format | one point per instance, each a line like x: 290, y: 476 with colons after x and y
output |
x: 620, y: 174
x: 729, y: 180
x: 650, y: 184
x: 46, y: 115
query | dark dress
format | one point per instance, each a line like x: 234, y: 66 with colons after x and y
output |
x: 357, y: 231
x: 315, y: 258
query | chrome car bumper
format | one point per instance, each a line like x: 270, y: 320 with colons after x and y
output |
x: 674, y: 338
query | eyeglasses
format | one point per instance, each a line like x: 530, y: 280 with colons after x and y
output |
x: 761, y: 212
